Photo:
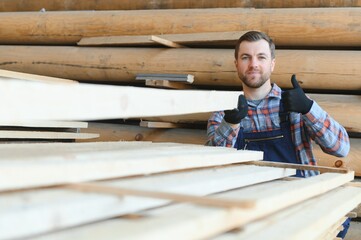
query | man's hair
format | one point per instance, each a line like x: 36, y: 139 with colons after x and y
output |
x: 253, y: 36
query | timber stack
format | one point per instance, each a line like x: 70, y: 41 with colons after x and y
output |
x: 105, y: 43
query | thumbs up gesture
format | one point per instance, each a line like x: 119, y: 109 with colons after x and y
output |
x: 295, y: 100
x: 236, y: 115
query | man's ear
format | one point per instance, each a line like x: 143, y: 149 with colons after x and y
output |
x: 273, y: 63
x: 235, y: 62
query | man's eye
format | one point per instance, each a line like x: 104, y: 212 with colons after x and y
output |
x: 244, y: 58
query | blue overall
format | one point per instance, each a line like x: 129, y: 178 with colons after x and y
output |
x: 277, y: 145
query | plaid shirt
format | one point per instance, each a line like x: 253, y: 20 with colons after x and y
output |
x: 316, y: 125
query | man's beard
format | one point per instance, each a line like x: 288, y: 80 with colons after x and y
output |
x: 254, y: 84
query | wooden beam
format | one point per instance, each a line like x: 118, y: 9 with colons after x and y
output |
x: 66, y: 5
x: 210, y: 67
x: 287, y: 26
x: 91, y: 102
x: 51, y: 166
x: 294, y: 222
x: 298, y: 166
x: 167, y: 84
x: 33, y: 77
x: 176, y: 197
x: 13, y: 134
x: 36, y: 209
x: 189, y: 39
x: 159, y: 124
x: 44, y: 124
x: 165, y: 42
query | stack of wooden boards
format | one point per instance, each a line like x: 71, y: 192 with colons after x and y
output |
x: 15, y: 129
x: 112, y: 190
x: 317, y: 40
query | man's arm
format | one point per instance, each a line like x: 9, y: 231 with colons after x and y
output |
x: 221, y: 133
x: 326, y: 132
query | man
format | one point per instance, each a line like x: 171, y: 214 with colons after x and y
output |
x: 281, y: 124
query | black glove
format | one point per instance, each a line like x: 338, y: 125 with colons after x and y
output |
x: 295, y: 100
x: 237, y: 114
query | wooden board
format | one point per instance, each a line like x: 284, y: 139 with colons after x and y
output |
x: 35, y: 210
x: 328, y: 70
x: 200, y: 222
x: 83, y: 162
x: 323, y: 26
x: 13, y: 134
x: 33, y: 77
x: 66, y: 5
x: 41, y: 101
x: 188, y: 39
x: 44, y: 124
x: 308, y: 220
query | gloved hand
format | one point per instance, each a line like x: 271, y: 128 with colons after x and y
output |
x: 295, y: 100
x: 237, y: 114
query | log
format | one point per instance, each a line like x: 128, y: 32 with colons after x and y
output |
x: 288, y: 27
x: 351, y: 161
x: 123, y: 132
x: 66, y: 5
x: 331, y: 70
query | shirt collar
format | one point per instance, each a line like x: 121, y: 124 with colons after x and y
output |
x: 275, y: 92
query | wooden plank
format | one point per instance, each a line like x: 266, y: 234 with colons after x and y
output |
x: 66, y: 5
x: 296, y: 223
x: 44, y: 124
x: 51, y: 167
x: 91, y: 102
x: 165, y: 42
x: 33, y: 77
x: 37, y: 209
x: 13, y: 134
x: 167, y: 84
x: 159, y: 124
x: 210, y: 67
x: 189, y: 39
x: 298, y: 166
x: 175, y: 197
x: 323, y: 26
x: 197, y: 222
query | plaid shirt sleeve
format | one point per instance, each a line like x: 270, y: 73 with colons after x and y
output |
x: 326, y: 132
x: 219, y: 132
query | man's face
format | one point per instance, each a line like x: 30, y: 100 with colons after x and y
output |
x: 254, y: 64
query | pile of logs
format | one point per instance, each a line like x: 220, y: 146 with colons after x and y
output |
x: 317, y: 40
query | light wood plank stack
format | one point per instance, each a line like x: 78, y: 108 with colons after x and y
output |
x: 140, y: 189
